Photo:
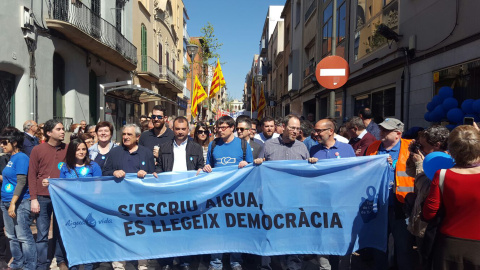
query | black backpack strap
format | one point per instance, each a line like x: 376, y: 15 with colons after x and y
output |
x: 214, y: 143
x: 244, y: 148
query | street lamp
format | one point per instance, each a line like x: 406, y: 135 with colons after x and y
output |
x: 192, y: 50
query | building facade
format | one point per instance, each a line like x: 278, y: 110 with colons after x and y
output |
x: 56, y: 60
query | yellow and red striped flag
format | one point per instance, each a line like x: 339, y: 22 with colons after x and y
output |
x: 254, y: 97
x: 199, y: 95
x: 218, y: 80
x: 262, y: 103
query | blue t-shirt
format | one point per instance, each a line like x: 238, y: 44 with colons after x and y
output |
x: 225, y: 154
x: 338, y: 150
x: 18, y: 164
x: 93, y: 170
x: 309, y: 142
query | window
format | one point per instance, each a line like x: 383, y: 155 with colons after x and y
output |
x: 327, y: 29
x: 384, y: 105
x: 298, y: 12
x: 341, y: 21
x: 168, y: 60
x: 58, y: 86
x: 160, y: 54
x: 311, y: 8
x: 144, y: 47
x: 118, y: 15
x: 96, y: 18
x: 464, y: 79
x: 7, y: 100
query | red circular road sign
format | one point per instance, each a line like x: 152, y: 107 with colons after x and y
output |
x: 332, y: 72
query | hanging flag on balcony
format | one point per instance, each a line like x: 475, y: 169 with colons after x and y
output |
x: 254, y: 97
x: 199, y: 95
x: 218, y: 80
x: 262, y: 103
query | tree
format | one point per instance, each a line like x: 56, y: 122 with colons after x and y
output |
x: 210, y: 45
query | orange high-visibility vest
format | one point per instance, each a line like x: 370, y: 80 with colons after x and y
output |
x: 403, y: 183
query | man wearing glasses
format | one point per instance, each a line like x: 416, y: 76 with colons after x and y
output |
x: 328, y: 146
x: 284, y: 147
x: 227, y: 150
x: 244, y: 126
x: 159, y: 134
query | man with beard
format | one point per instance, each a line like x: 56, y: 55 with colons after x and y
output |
x: 159, y: 134
x: 268, y: 129
x: 284, y: 147
x: 46, y: 160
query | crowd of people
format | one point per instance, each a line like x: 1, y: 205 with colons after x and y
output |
x: 431, y: 222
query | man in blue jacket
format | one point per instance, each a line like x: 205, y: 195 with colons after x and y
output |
x: 30, y: 141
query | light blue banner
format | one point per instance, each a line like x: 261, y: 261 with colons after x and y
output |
x: 333, y: 207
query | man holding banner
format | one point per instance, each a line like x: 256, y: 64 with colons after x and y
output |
x: 391, y: 143
x: 224, y: 151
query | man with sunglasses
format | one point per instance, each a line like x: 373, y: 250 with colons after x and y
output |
x: 244, y: 125
x: 159, y: 134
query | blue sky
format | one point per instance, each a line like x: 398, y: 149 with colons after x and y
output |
x: 238, y: 25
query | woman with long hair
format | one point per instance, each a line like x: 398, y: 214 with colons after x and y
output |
x: 15, y: 203
x: 77, y: 164
x: 39, y: 134
x: 456, y: 193
x: 99, y: 151
x: 201, y: 137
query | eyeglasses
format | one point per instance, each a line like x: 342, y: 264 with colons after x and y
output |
x: 223, y: 127
x: 293, y: 128
x: 318, y: 131
x: 199, y: 132
x: 4, y: 142
x: 242, y: 129
x: 157, y: 117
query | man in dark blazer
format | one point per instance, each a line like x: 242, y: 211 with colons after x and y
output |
x: 180, y: 154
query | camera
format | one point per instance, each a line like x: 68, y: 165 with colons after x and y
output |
x: 414, y: 147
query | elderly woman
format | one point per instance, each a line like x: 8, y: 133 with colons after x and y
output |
x: 457, y: 191
x: 99, y: 151
x: 432, y: 139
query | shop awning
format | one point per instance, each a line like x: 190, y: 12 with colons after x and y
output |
x: 137, y: 94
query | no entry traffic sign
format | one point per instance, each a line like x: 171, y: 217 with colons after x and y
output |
x: 332, y: 72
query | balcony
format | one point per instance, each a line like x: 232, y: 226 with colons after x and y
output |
x: 89, y: 31
x: 148, y: 68
x: 170, y: 79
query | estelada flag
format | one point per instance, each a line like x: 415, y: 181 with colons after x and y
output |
x: 218, y: 80
x: 262, y: 103
x: 254, y: 97
x: 199, y: 95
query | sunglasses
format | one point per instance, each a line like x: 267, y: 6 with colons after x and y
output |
x: 202, y: 132
x: 242, y: 129
x: 157, y: 117
x: 4, y: 142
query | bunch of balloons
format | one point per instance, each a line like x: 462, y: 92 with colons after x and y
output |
x: 445, y: 106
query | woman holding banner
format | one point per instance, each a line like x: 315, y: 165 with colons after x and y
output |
x: 77, y: 165
x: 456, y: 191
x: 16, y: 201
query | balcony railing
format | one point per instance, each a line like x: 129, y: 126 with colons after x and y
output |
x: 92, y: 24
x: 171, y: 77
x: 147, y: 64
x: 309, y: 69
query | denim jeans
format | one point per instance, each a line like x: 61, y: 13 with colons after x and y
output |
x: 43, y: 225
x: 216, y: 260
x: 22, y: 244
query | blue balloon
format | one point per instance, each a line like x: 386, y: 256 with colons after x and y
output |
x: 450, y: 127
x: 476, y: 106
x: 430, y: 106
x: 438, y: 114
x: 467, y: 106
x: 445, y: 92
x: 427, y: 116
x: 436, y: 161
x: 455, y: 115
x: 437, y: 100
x: 450, y: 103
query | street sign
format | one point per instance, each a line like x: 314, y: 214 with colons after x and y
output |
x: 332, y: 72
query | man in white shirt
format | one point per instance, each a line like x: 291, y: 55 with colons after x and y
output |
x: 268, y: 130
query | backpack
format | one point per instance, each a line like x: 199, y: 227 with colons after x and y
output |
x: 214, y: 143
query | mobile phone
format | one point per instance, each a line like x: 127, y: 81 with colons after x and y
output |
x: 468, y: 121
